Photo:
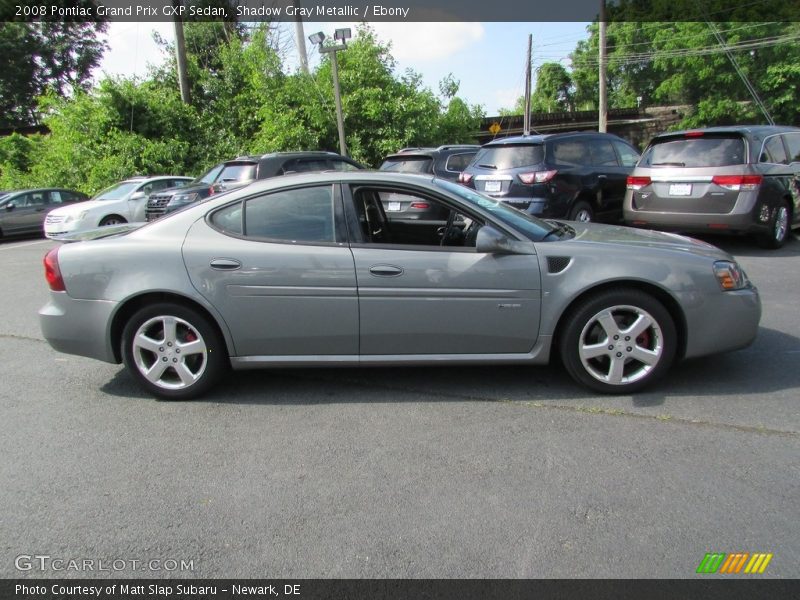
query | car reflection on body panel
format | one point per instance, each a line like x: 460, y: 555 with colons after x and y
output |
x: 308, y: 270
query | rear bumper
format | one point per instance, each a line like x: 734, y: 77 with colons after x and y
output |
x: 79, y: 327
x: 733, y: 223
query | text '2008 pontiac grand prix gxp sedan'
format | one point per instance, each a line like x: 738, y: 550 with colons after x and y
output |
x: 309, y: 270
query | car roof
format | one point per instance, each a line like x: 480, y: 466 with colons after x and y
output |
x: 291, y: 154
x: 540, y: 138
x: 755, y: 130
x: 428, y: 152
x: 28, y: 190
x: 140, y: 178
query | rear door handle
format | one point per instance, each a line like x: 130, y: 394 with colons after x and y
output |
x: 386, y: 271
x: 225, y: 264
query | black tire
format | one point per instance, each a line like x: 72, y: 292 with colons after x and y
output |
x: 581, y: 211
x: 617, y: 366
x: 186, y: 375
x: 112, y: 220
x: 780, y: 226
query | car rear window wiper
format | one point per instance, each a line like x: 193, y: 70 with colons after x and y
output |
x: 489, y: 166
x: 668, y: 164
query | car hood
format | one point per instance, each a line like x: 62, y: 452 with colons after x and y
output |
x: 644, y: 239
x: 79, y: 207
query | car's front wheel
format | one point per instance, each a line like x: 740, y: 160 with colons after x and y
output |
x: 581, y: 212
x: 618, y: 341
x: 173, y: 351
x: 112, y: 220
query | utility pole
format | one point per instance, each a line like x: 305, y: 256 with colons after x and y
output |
x: 526, y: 129
x: 180, y: 54
x: 338, y: 98
x: 301, y: 38
x: 602, y: 117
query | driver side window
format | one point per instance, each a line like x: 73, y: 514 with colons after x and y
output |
x: 397, y: 217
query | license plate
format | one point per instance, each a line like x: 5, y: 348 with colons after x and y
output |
x: 493, y: 186
x: 393, y: 207
x: 680, y: 189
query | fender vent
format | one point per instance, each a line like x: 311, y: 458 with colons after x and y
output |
x: 556, y: 264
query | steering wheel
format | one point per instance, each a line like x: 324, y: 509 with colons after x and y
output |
x: 448, y: 228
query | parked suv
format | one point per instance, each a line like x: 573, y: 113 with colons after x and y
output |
x: 577, y: 175
x: 741, y: 179
x: 241, y: 171
x: 445, y: 162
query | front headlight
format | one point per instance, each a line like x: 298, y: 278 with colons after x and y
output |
x: 77, y: 217
x: 178, y: 199
x: 730, y: 276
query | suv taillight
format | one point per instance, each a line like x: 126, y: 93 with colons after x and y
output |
x: 737, y: 183
x: 52, y: 272
x: 637, y: 183
x: 537, y: 177
x: 464, y: 177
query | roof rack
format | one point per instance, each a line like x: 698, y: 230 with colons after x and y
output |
x: 457, y: 146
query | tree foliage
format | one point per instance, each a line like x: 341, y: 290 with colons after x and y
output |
x: 44, y: 56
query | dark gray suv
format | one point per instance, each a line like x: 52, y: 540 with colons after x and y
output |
x: 739, y: 179
x: 578, y: 175
x: 242, y: 171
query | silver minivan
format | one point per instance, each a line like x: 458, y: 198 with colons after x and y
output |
x: 737, y: 179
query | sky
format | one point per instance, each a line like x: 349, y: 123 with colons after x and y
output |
x: 487, y: 58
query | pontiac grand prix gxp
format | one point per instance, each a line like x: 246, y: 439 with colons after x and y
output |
x: 307, y: 270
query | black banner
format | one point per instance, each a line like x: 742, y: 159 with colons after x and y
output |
x: 398, y: 10
x: 398, y: 589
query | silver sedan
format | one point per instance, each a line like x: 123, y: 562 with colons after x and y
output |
x: 308, y: 270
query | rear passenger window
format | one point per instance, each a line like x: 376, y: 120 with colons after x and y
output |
x: 304, y: 166
x: 793, y: 142
x: 300, y: 215
x: 627, y: 155
x: 459, y: 162
x: 602, y: 153
x: 571, y: 153
x: 774, y: 151
x: 55, y: 197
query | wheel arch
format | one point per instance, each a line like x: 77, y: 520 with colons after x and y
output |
x: 112, y: 215
x: 660, y: 294
x: 133, y: 304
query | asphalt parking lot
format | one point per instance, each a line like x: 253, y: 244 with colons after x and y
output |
x: 423, y: 472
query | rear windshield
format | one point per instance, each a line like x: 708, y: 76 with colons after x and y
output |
x: 410, y: 164
x: 511, y: 156
x: 717, y: 151
x: 240, y: 172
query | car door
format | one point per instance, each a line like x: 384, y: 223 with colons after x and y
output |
x: 793, y: 150
x: 418, y: 297
x: 25, y: 213
x: 611, y: 177
x: 278, y: 269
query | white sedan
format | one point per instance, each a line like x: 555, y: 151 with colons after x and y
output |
x: 123, y: 202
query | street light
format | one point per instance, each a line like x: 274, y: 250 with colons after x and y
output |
x: 340, y: 35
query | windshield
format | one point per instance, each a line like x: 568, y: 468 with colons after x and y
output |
x: 415, y: 164
x: 533, y: 228
x: 510, y: 156
x: 718, y: 151
x: 118, y: 190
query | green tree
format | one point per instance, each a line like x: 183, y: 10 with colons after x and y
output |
x: 42, y: 56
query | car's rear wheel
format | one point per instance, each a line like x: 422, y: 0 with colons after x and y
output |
x: 619, y: 341
x: 582, y: 212
x: 112, y: 220
x: 173, y: 351
x: 779, y: 227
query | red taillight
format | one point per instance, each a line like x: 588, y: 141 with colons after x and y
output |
x: 420, y: 205
x: 694, y: 134
x: 464, y: 177
x: 537, y: 177
x: 736, y: 183
x: 52, y: 272
x: 637, y: 183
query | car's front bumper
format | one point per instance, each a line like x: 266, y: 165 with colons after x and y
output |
x: 79, y: 327
x: 720, y: 322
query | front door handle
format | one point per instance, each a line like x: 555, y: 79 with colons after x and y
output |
x: 386, y: 271
x: 225, y: 264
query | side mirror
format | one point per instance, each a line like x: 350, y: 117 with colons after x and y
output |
x: 10, y: 206
x: 138, y: 196
x: 491, y: 241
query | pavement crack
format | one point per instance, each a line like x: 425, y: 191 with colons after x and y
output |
x: 13, y: 336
